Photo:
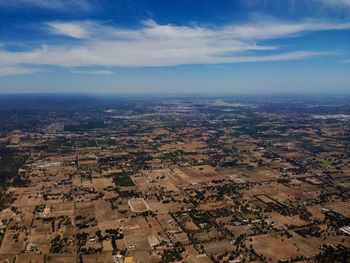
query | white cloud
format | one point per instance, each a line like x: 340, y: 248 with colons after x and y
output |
x: 73, y: 29
x: 275, y: 29
x: 103, y: 45
x: 94, y: 72
x: 60, y: 5
x: 16, y: 70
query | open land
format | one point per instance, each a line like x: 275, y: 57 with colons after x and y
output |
x: 174, y: 179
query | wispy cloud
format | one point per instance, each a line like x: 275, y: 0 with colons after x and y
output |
x: 276, y: 29
x: 58, y: 5
x: 74, y: 29
x: 16, y: 70
x: 93, y: 72
x: 346, y: 60
x: 335, y: 3
x: 152, y: 44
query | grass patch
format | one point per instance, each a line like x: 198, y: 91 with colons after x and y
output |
x: 122, y: 179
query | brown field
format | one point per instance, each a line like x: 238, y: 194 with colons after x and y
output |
x: 28, y: 258
x: 238, y: 230
x: 107, y: 246
x: 281, y: 220
x: 213, y: 205
x: 207, y: 236
x: 64, y: 258
x: 199, y: 171
x: 168, y: 223
x: 62, y: 209
x: 135, y: 238
x: 103, y: 211
x: 316, y: 211
x: 271, y: 246
x: 282, y: 193
x: 252, y: 174
x: 340, y: 207
x: 42, y: 238
x: 195, y: 257
x: 308, y: 246
x: 138, y: 205
x: 101, y: 183
x: 190, y: 225
x: 10, y: 245
x: 23, y: 199
x: 85, y: 209
x: 155, y: 226
x: 103, y: 258
x: 142, y: 256
x: 26, y: 216
x: 109, y: 224
x: 171, y: 187
x: 186, y: 147
x: 218, y: 247
x: 7, y: 258
x: 265, y: 199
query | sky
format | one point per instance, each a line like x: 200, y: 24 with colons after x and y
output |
x: 175, y: 47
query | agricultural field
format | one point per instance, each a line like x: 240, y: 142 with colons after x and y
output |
x: 177, y: 180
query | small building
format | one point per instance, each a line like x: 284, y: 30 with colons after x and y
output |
x: 345, y: 230
x: 46, y: 213
x: 152, y: 241
x: 31, y: 247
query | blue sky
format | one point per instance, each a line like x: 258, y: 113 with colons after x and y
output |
x: 182, y: 46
